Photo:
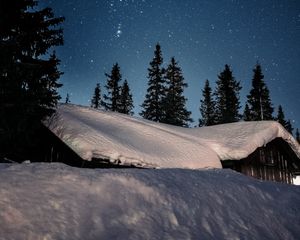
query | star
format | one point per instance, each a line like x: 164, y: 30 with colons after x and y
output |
x: 202, y: 35
x: 119, y: 30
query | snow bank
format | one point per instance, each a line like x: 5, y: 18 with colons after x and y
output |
x: 128, y: 140
x: 55, y: 201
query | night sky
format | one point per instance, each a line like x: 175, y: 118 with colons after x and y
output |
x: 203, y: 36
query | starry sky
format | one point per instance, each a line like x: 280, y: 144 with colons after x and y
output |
x: 202, y: 35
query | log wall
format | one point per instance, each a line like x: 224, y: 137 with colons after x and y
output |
x: 274, y: 162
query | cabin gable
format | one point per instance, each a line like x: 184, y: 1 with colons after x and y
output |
x: 274, y: 162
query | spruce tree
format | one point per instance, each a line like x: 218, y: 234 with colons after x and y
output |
x: 112, y: 98
x: 280, y: 116
x: 28, y: 74
x: 174, y: 109
x: 96, y: 100
x: 298, y: 135
x: 152, y: 107
x: 227, y: 97
x: 126, y: 102
x: 281, y: 119
x: 288, y: 126
x: 247, y: 113
x: 259, y: 100
x: 207, y: 107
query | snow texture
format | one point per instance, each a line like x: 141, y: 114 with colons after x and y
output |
x: 128, y: 140
x: 55, y: 201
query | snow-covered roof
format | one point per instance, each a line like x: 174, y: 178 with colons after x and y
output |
x: 235, y: 141
x: 128, y: 140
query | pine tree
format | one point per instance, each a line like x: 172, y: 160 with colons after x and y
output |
x: 289, y: 127
x: 112, y: 98
x: 298, y: 135
x: 247, y: 113
x: 126, y: 102
x: 207, y: 107
x: 152, y: 107
x: 96, y: 100
x: 28, y: 73
x: 174, y: 109
x: 259, y: 100
x: 227, y: 97
x: 281, y: 119
x: 67, y: 99
x: 280, y: 116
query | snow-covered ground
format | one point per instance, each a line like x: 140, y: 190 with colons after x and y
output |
x: 296, y: 180
x: 128, y: 140
x: 55, y: 201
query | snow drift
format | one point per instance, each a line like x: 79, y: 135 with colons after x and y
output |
x: 128, y: 140
x: 55, y: 201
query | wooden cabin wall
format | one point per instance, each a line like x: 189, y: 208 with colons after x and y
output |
x: 268, y: 164
x: 274, y: 162
x: 53, y: 149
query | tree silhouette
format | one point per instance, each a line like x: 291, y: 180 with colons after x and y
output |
x: 227, y: 97
x: 247, y: 113
x: 280, y: 116
x: 112, y: 98
x: 126, y: 102
x: 289, y: 127
x: 207, y: 106
x: 259, y: 100
x: 28, y: 73
x: 174, y: 109
x: 152, y: 107
x: 281, y: 119
x: 96, y: 100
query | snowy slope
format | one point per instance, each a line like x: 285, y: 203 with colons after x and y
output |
x: 55, y: 201
x: 128, y: 140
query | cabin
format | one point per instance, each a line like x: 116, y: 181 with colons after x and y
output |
x: 276, y: 161
x: 84, y: 137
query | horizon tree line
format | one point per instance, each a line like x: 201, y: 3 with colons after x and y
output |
x: 164, y: 101
x: 222, y: 105
x: 118, y: 98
